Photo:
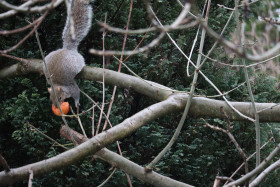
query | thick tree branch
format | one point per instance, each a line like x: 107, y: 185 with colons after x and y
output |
x: 23, y: 67
x: 124, y: 164
x: 94, y: 144
x: 201, y: 107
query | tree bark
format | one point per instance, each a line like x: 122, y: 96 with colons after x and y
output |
x: 201, y: 106
x: 124, y: 164
x: 94, y: 144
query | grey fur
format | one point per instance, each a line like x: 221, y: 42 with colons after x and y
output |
x: 81, y: 13
x: 64, y: 64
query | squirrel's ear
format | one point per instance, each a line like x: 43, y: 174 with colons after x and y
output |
x: 49, y: 90
x: 59, y: 88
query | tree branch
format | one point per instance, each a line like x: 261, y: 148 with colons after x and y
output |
x: 4, y: 163
x: 94, y: 144
x: 124, y: 164
x: 200, y: 107
x: 258, y: 169
x: 25, y: 9
x: 262, y: 176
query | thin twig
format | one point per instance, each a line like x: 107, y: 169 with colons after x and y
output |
x: 271, y: 21
x: 258, y: 169
x: 148, y: 46
x: 40, y: 132
x: 115, y: 87
x: 7, y: 32
x: 242, y: 3
x: 92, y: 121
x: 255, y: 64
x: 14, y: 57
x: 118, y: 145
x: 216, y: 61
x: 223, y: 6
x: 121, y: 62
x: 226, y: 93
x: 14, y: 12
x: 193, y: 45
x: 4, y: 163
x: 251, y: 156
x: 25, y: 9
x: 79, y: 121
x: 96, y: 104
x: 209, y: 81
x: 216, y: 42
x: 239, y: 50
x: 184, y: 6
x: 150, y: 13
x: 103, y: 80
x: 183, y: 118
x: 108, y: 178
x: 152, y: 44
x: 120, y: 65
x: 231, y: 137
x: 149, y: 82
x: 241, y: 30
x: 51, y: 82
x: 26, y: 37
x: 166, y: 28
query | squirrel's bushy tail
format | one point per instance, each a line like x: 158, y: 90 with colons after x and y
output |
x: 77, y: 24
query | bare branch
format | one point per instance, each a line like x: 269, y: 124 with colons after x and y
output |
x: 251, y: 156
x: 271, y: 21
x: 152, y: 164
x: 258, y: 169
x: 103, y: 80
x: 152, y: 44
x: 4, y: 163
x: 209, y: 81
x: 165, y: 28
x: 108, y: 178
x: 24, y: 9
x: 94, y: 144
x: 126, y: 165
x: 14, y: 12
x: 240, y: 51
x: 23, y: 28
x: 226, y: 93
x: 241, y: 41
x: 26, y: 37
x: 49, y: 138
x: 223, y: 6
x: 218, y: 180
x: 263, y: 174
x: 200, y: 108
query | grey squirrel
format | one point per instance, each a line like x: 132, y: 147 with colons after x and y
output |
x: 64, y: 64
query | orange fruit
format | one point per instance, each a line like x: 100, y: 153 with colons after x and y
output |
x: 64, y: 107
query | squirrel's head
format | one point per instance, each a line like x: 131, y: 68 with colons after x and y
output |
x: 60, y: 93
